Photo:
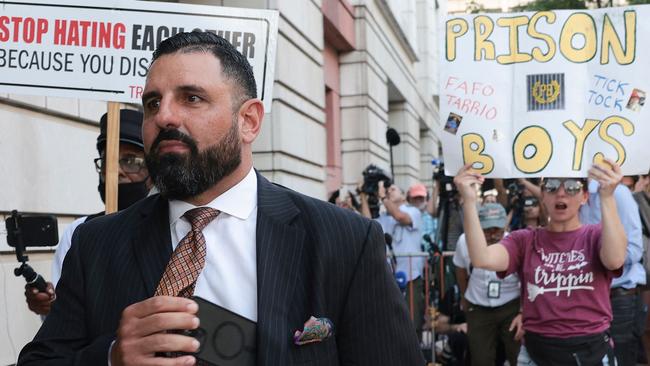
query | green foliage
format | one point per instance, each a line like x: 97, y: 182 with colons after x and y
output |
x: 638, y: 2
x: 539, y: 5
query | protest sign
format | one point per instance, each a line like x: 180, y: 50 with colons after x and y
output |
x: 101, y: 49
x: 546, y: 93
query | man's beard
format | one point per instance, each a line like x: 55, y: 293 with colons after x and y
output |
x: 182, y: 176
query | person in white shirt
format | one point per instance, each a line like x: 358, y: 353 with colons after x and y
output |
x: 491, y: 304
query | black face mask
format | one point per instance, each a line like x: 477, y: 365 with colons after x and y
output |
x: 127, y: 193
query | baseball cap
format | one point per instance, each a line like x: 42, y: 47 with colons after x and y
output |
x: 492, y: 215
x: 417, y: 190
x: 130, y: 129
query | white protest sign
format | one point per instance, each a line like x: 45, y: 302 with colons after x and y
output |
x: 102, y: 49
x: 546, y: 93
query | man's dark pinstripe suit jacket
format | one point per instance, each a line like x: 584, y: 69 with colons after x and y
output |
x: 312, y: 259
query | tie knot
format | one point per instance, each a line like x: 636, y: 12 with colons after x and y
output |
x: 200, y: 217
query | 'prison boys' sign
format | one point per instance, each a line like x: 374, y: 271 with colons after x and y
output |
x: 101, y: 49
x: 547, y: 93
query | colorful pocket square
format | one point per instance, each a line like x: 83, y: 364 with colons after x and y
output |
x: 314, y: 330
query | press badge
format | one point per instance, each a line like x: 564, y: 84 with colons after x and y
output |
x: 494, y: 290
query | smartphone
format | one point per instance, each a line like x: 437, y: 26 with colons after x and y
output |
x: 227, y: 338
x: 36, y: 230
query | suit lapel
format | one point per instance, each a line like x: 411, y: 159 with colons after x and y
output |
x: 279, y: 261
x: 152, y: 235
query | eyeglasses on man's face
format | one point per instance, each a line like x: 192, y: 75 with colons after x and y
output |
x: 128, y: 164
x: 571, y: 186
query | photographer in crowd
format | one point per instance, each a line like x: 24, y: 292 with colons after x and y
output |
x: 418, y: 196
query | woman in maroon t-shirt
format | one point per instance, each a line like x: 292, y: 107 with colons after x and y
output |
x: 565, y: 268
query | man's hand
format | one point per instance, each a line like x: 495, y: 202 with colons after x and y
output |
x: 142, y: 332
x: 40, y: 302
x: 607, y: 178
x: 518, y: 326
x: 466, y: 181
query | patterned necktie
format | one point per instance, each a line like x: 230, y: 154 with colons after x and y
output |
x: 188, y: 259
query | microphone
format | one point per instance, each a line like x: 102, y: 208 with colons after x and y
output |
x: 433, y: 247
x: 389, y: 243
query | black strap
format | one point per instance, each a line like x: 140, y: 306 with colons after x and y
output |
x: 644, y: 209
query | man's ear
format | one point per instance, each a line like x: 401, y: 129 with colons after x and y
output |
x: 251, y: 115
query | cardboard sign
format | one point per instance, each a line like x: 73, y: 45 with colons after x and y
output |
x: 546, y: 93
x: 102, y: 49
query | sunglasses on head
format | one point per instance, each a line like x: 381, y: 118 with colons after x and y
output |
x: 571, y: 186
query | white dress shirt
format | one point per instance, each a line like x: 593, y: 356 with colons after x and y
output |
x: 229, y: 278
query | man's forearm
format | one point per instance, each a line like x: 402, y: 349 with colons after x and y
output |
x: 614, y: 241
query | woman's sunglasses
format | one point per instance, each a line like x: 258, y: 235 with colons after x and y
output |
x: 571, y: 186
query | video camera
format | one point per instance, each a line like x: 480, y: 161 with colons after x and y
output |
x: 30, y: 231
x: 516, y: 202
x: 372, y: 175
x: 446, y: 185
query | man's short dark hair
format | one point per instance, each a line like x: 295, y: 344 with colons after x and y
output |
x: 234, y: 64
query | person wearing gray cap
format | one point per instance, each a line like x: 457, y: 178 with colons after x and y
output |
x: 134, y: 184
x: 491, y: 304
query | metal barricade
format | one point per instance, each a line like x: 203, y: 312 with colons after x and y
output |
x: 428, y: 332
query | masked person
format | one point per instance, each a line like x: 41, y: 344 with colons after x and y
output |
x: 565, y: 268
x: 133, y: 186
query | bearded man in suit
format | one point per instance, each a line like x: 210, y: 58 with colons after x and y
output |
x: 271, y: 255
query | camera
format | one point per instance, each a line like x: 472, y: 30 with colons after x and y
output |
x: 446, y: 185
x: 372, y: 175
x: 517, y: 200
x: 33, y: 231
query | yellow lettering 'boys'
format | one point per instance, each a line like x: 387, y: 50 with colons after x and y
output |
x: 628, y: 129
x: 483, y: 26
x: 580, y: 135
x: 537, y: 53
x: 538, y: 138
x: 583, y: 24
x: 514, y: 56
x: 455, y: 28
x: 611, y: 41
x: 473, y: 146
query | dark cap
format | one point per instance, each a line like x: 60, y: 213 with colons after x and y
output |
x: 130, y: 129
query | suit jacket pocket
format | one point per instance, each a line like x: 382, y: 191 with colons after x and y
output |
x: 320, y: 353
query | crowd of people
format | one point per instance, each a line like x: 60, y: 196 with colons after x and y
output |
x: 549, y: 271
